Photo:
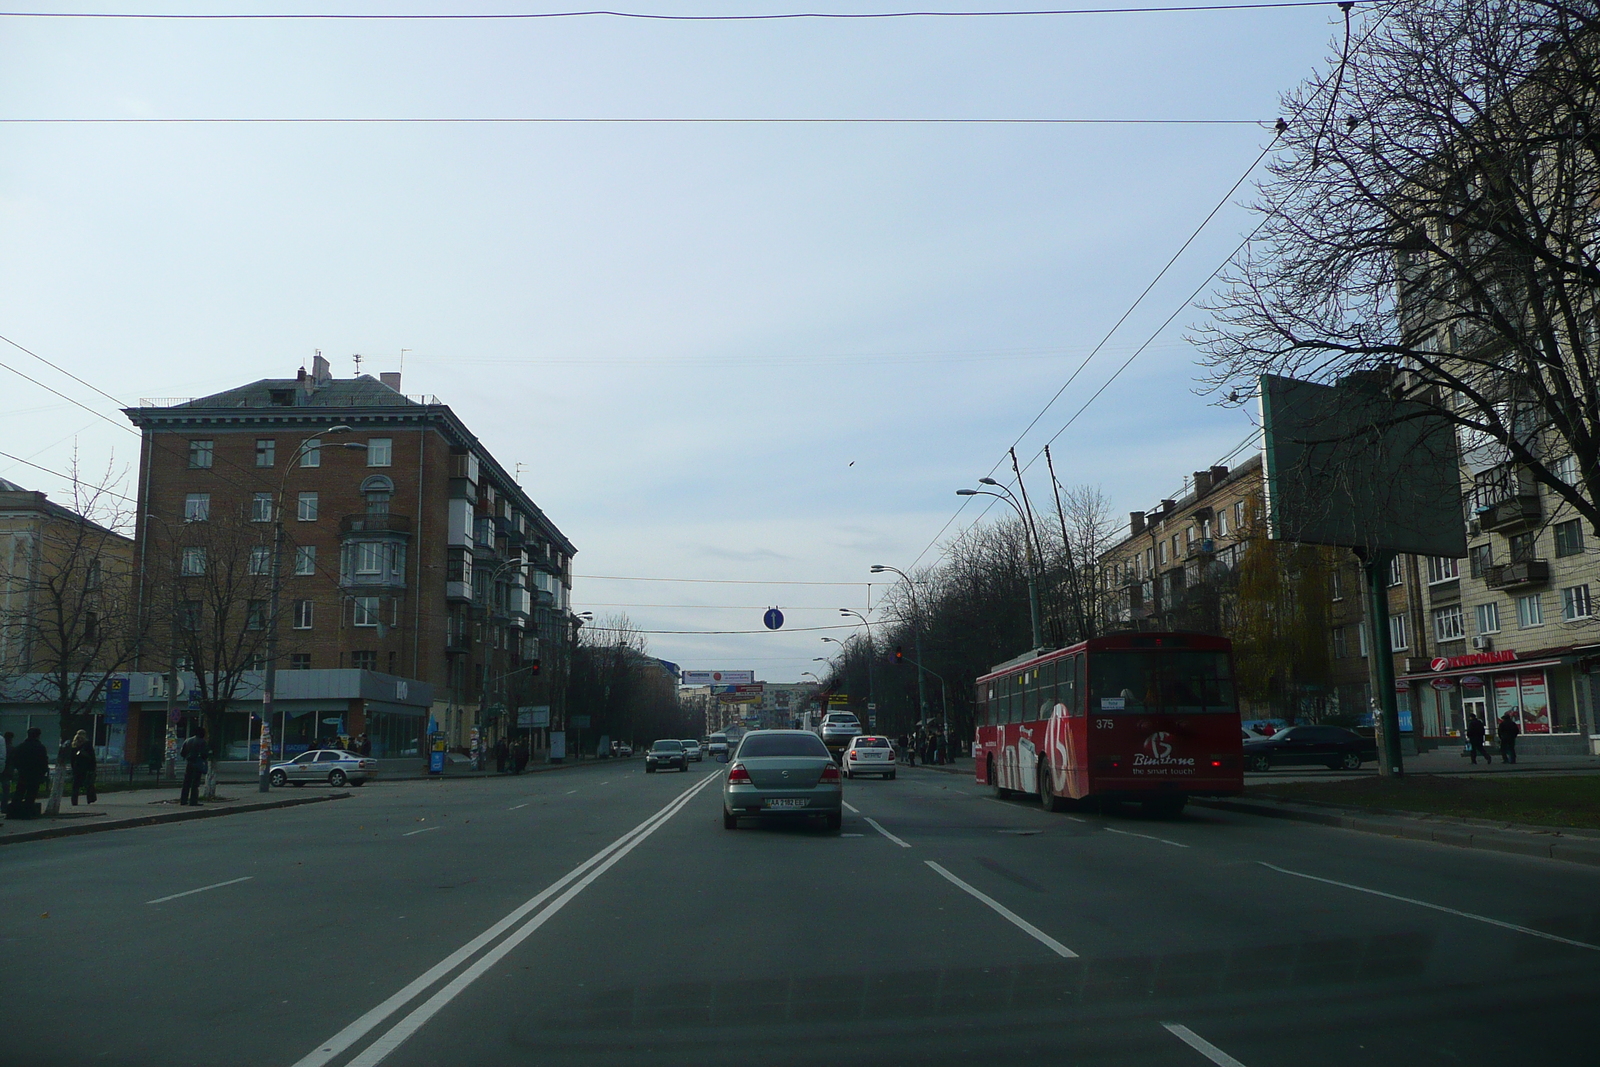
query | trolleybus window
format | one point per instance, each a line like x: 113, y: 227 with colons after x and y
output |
x: 1172, y: 682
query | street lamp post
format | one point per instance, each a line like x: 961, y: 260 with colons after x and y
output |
x: 872, y: 699
x: 1033, y: 583
x: 483, y: 688
x: 269, y: 682
x: 916, y: 634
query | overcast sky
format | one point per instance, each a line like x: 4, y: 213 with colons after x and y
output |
x: 767, y: 353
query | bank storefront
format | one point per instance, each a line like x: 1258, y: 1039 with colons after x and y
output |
x: 1550, y: 693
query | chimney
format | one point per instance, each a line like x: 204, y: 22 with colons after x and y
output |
x: 1135, y: 523
x: 1202, y: 483
x: 1217, y: 474
x: 321, y: 371
x: 391, y: 379
x: 1167, y: 506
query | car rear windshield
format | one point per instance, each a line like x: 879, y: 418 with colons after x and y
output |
x: 1179, y: 683
x: 719, y: 739
x: 667, y: 746
x: 872, y: 742
x: 843, y: 720
x: 783, y: 745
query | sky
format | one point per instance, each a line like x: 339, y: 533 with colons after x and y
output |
x: 752, y: 358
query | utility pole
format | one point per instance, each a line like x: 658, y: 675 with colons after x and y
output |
x: 1386, y: 719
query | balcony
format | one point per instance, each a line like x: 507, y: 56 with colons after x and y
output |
x: 368, y: 524
x: 1512, y: 575
x: 1203, y: 548
x: 1504, y: 500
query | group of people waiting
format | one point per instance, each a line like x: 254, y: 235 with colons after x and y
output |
x: 512, y: 756
x: 1506, y: 729
x: 25, y: 767
x: 930, y: 745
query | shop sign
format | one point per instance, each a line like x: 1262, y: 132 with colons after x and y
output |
x: 1474, y: 659
x: 1471, y: 681
x: 116, y: 701
x: 1401, y: 685
x: 1443, y: 684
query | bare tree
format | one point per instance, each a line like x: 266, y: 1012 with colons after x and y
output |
x: 1434, y: 212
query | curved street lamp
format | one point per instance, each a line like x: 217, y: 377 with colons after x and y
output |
x: 916, y: 633
x: 1033, y: 584
x: 872, y: 700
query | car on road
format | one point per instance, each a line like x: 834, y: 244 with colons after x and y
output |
x: 838, y: 729
x: 869, y: 754
x: 332, y: 765
x: 717, y: 746
x: 666, y: 753
x: 622, y: 750
x: 782, y: 773
x: 1299, y: 746
x: 692, y: 747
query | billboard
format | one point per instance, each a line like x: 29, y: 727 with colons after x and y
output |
x: 718, y: 677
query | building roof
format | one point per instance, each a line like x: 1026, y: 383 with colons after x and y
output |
x: 16, y: 498
x: 10, y: 487
x: 362, y: 391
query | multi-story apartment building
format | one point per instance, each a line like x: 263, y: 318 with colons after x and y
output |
x: 413, y: 555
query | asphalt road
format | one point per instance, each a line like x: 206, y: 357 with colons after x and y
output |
x: 602, y: 916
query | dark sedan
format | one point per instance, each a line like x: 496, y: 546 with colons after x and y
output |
x: 1299, y: 746
x: 667, y: 753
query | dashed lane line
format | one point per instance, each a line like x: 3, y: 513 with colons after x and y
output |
x: 424, y: 830
x: 1147, y: 837
x: 1006, y: 913
x: 514, y: 807
x: 874, y: 824
x: 1201, y: 1045
x: 851, y: 807
x: 202, y: 889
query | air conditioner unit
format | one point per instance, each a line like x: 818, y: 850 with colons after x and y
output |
x: 1483, y: 642
x: 1474, y: 527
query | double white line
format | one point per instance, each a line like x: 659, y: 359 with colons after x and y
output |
x: 563, y: 891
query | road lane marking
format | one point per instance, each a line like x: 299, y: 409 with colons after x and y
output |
x: 514, y: 807
x: 1074, y: 818
x: 874, y: 824
x: 1010, y: 916
x: 852, y: 835
x: 202, y: 889
x: 853, y: 809
x: 1201, y: 1045
x: 340, y: 1042
x: 571, y: 791
x: 1147, y: 837
x: 1437, y: 907
x: 424, y: 830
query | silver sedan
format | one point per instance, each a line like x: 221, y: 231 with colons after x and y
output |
x: 331, y: 765
x: 787, y: 773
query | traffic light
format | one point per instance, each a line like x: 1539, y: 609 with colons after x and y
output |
x: 533, y: 667
x: 899, y: 654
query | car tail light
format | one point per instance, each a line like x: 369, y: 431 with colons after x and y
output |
x: 830, y: 773
x: 737, y: 773
x: 852, y: 754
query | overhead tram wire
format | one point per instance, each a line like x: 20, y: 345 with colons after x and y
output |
x: 712, y: 633
x: 712, y: 581
x: 513, y: 120
x: 133, y: 16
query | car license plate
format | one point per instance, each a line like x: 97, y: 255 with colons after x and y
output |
x: 788, y: 802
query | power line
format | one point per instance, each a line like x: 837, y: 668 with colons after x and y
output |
x: 310, y: 120
x: 648, y: 16
x: 65, y: 477
x: 631, y: 630
x: 710, y: 581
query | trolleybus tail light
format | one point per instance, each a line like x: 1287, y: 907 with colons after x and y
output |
x: 830, y: 773
x: 737, y: 773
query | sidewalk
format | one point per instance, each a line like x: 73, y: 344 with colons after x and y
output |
x: 144, y: 807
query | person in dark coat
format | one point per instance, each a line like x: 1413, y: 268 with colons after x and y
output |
x: 8, y: 770
x: 502, y: 752
x: 83, y: 767
x: 519, y: 757
x: 1475, y: 739
x: 194, y: 753
x: 32, y: 765
x: 1508, y: 731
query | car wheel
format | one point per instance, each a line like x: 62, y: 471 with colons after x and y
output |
x: 684, y: 768
x: 337, y: 779
x: 891, y: 776
x: 1260, y: 763
x: 278, y: 778
x: 835, y: 820
x: 1047, y: 794
x: 730, y: 821
x: 1351, y: 761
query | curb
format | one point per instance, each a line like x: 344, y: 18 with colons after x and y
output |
x: 1545, y: 844
x: 164, y: 817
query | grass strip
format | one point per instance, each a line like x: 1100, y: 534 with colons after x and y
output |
x: 1567, y: 801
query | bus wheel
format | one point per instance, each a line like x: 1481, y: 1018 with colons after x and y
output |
x: 1169, y: 807
x: 1047, y: 795
x: 994, y: 782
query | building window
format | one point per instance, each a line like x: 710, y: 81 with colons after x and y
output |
x: 1569, y: 538
x: 1222, y: 522
x: 260, y: 559
x: 377, y: 503
x: 369, y: 557
x: 1480, y: 558
x: 1397, y: 572
x: 193, y: 562
x: 366, y: 611
x: 1150, y: 561
x: 308, y: 507
x: 255, y: 615
x: 1530, y: 612
x: 1188, y: 537
x: 266, y: 451
x: 1399, y: 633
x: 1336, y: 583
x: 302, y: 614
x: 1361, y: 638
x: 380, y: 451
x: 261, y: 507
x: 299, y: 661
x: 1341, y: 643
x: 189, y: 616
x: 200, y: 454
x: 1566, y: 469
x: 197, y: 507
x: 1488, y: 618
x: 1174, y: 548
x: 364, y: 661
x: 1238, y: 515
x: 1575, y: 603
x: 305, y: 560
x: 1161, y: 554
x: 1442, y: 569
x: 1448, y: 624
x: 311, y: 452
x: 1522, y: 547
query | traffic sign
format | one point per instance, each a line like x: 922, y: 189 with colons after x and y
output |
x: 773, y: 618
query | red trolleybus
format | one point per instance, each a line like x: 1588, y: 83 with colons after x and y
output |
x: 1151, y: 717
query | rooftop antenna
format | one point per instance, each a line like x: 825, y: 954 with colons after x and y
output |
x: 517, y: 477
x: 403, y: 352
x: 357, y: 358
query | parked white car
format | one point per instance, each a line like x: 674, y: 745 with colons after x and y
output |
x: 334, y: 766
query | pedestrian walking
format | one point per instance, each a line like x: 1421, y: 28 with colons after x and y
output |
x: 1508, y: 731
x: 8, y: 767
x: 32, y: 765
x: 1475, y: 739
x: 502, y: 752
x: 194, y: 753
x: 83, y: 767
x: 519, y: 757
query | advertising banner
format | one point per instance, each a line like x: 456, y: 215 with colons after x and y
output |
x: 1505, y: 697
x: 1535, y: 703
x: 558, y: 745
x: 718, y: 677
x: 533, y: 716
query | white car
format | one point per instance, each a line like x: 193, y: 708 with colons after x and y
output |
x: 869, y: 754
x: 331, y: 765
x: 692, y: 747
x: 839, y: 728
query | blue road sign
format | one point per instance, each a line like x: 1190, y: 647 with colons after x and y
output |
x: 116, y: 700
x: 773, y: 618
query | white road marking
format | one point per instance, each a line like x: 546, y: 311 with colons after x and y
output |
x: 1074, y: 818
x: 202, y: 889
x: 1147, y: 837
x: 963, y: 792
x: 1438, y: 907
x: 606, y: 782
x: 424, y: 830
x: 1201, y: 1045
x: 874, y: 824
x: 853, y: 810
x: 571, y: 791
x: 1010, y: 916
x: 852, y: 835
x: 344, y: 1039
x: 514, y: 807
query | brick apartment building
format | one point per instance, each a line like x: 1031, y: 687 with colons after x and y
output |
x: 414, y: 556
